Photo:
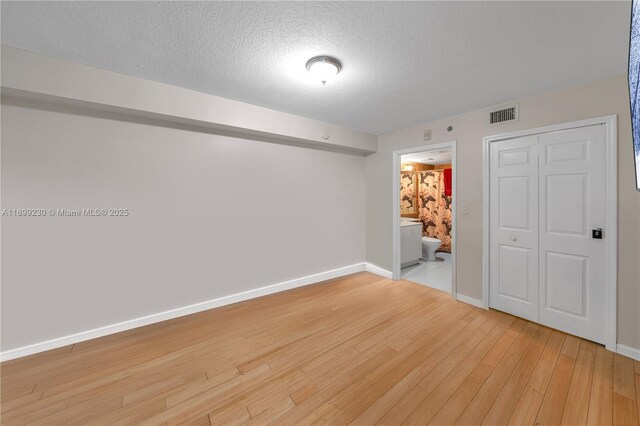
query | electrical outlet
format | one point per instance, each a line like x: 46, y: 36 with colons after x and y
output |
x: 426, y: 135
x: 464, y: 208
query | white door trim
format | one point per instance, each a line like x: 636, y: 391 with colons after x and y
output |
x: 396, y: 207
x: 611, y: 123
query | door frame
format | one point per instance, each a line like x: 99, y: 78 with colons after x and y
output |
x: 611, y: 218
x: 396, y: 270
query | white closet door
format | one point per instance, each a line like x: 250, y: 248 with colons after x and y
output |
x: 514, y: 226
x: 572, y: 203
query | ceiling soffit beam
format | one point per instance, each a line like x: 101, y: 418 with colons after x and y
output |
x: 38, y: 78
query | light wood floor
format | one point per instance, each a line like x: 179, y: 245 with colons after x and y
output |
x: 360, y: 349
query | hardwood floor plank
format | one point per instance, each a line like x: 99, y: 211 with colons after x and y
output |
x: 527, y: 409
x: 465, y: 393
x: 386, y: 375
x: 505, y: 403
x: 351, y: 362
x: 428, y: 397
x: 17, y: 402
x: 556, y: 396
x: 637, y: 379
x: 601, y: 401
x: 33, y: 412
x: 411, y: 370
x: 529, y: 404
x: 623, y: 380
x: 300, y: 411
x: 433, y: 369
x: 571, y: 346
x: 625, y: 409
x: 577, y: 406
x: 319, y: 377
x: 216, y: 387
x: 359, y: 349
x: 272, y: 413
x: 168, y: 386
x: 84, y: 412
x: 132, y: 414
x: 480, y: 405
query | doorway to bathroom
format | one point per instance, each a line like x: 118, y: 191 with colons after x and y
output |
x: 425, y: 216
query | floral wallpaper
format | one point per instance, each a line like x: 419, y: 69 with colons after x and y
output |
x: 434, y: 208
x: 407, y: 193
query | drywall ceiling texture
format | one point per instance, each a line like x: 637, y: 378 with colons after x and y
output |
x: 404, y: 62
x: 441, y: 156
x: 605, y: 97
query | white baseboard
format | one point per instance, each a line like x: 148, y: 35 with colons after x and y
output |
x: 370, y: 267
x: 227, y: 300
x: 186, y: 310
x: 470, y: 301
x: 628, y: 351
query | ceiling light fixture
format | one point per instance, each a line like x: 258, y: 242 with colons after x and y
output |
x: 323, y: 67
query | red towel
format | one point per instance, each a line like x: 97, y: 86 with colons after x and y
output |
x: 446, y: 173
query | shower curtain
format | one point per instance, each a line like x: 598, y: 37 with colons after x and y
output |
x: 434, y: 208
x: 407, y: 193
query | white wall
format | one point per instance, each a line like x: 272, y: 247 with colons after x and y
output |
x: 213, y: 215
x: 598, y: 99
x: 210, y: 216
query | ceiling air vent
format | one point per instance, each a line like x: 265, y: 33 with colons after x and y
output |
x: 505, y: 114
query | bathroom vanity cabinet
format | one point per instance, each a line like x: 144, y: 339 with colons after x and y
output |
x: 410, y: 242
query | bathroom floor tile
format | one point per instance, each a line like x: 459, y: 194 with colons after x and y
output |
x: 436, y: 274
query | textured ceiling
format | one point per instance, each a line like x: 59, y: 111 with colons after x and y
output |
x: 404, y: 62
x: 441, y: 156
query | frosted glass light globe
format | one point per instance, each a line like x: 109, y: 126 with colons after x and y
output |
x: 323, y: 68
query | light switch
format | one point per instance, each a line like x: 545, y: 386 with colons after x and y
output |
x: 464, y: 208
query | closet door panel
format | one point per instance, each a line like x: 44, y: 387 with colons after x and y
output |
x: 514, y: 227
x: 572, y: 203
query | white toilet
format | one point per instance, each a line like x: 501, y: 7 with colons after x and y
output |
x: 429, y: 247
